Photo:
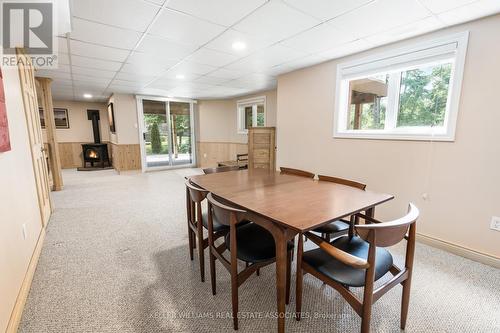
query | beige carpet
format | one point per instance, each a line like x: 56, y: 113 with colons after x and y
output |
x: 115, y: 259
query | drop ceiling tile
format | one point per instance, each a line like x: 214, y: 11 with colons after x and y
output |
x: 223, y: 73
x: 381, y: 15
x: 174, y: 74
x: 95, y: 63
x: 62, y: 68
x: 470, y: 12
x: 148, y: 69
x: 128, y: 14
x: 92, y: 79
x: 125, y: 83
x: 275, y: 21
x: 346, y: 49
x: 225, y: 41
x: 269, y: 57
x: 103, y: 34
x: 163, y: 46
x: 326, y: 9
x: 181, y: 27
x: 322, y: 37
x: 223, y: 12
x: 93, y: 72
x: 444, y: 5
x: 62, y: 83
x: 120, y: 89
x: 135, y: 77
x: 190, y: 67
x: 406, y: 31
x: 151, y: 59
x: 211, y: 57
x: 98, y: 51
x: 89, y: 85
x: 211, y: 80
x: 295, y: 64
x: 163, y: 83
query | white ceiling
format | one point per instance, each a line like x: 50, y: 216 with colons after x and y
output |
x: 145, y: 46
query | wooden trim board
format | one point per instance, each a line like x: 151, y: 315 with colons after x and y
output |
x: 17, y: 312
x: 459, y: 250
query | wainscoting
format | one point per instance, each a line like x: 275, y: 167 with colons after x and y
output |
x: 126, y: 157
x: 71, y: 154
x: 209, y: 153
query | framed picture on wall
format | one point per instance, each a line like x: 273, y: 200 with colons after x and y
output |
x: 4, y: 125
x: 111, y: 117
x: 60, y: 117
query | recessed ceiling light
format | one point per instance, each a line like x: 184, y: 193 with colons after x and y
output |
x: 87, y: 95
x: 238, y: 46
x: 180, y: 76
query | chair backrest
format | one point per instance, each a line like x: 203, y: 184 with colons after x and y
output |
x: 221, y: 169
x: 342, y: 181
x: 386, y: 234
x: 296, y: 172
x: 196, y: 193
x: 242, y: 157
x: 223, y: 213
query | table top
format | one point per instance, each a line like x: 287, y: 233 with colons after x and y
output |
x: 295, y: 202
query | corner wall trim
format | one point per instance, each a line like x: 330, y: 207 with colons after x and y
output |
x: 459, y: 250
x: 17, y: 312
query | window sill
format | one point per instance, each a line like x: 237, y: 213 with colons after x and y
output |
x: 371, y: 135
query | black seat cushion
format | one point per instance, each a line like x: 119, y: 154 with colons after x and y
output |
x: 342, y: 273
x: 333, y: 228
x: 254, y: 243
x: 217, y: 226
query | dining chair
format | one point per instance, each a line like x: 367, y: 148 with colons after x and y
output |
x: 296, y: 172
x: 360, y: 261
x: 338, y: 227
x: 220, y: 169
x: 247, y: 242
x: 197, y: 220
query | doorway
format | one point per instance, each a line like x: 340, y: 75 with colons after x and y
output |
x: 166, y: 132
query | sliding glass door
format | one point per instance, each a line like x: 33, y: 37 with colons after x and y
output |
x: 167, y: 138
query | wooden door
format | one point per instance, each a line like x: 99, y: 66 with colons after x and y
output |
x: 28, y: 89
x: 261, y: 147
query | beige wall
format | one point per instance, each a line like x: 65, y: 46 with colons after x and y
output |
x: 125, y: 109
x: 18, y: 201
x: 217, y: 119
x: 217, y: 128
x: 80, y: 128
x: 461, y: 178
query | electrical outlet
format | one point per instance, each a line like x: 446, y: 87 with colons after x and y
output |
x: 25, y: 234
x: 495, y: 223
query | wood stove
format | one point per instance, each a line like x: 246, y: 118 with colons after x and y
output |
x: 95, y: 154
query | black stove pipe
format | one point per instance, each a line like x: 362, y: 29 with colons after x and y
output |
x: 94, y: 116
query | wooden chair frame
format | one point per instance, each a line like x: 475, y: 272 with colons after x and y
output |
x: 296, y: 172
x: 346, y: 182
x: 216, y: 252
x: 194, y: 198
x: 376, y: 234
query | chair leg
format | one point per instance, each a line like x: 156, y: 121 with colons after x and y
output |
x: 327, y: 237
x: 405, y: 302
x: 201, y: 256
x: 299, y: 277
x: 258, y: 272
x: 212, y: 271
x: 288, y: 275
x: 191, y: 241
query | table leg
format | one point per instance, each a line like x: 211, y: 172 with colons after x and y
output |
x: 370, y: 212
x: 281, y: 256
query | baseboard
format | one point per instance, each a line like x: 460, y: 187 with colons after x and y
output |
x: 459, y: 250
x: 17, y: 312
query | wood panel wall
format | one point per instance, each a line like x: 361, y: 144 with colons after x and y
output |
x: 209, y: 153
x: 126, y: 157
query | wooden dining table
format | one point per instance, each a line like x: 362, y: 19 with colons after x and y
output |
x: 287, y: 205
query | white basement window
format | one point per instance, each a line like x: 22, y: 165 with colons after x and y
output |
x: 406, y: 94
x: 251, y: 113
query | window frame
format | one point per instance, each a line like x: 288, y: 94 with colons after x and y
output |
x: 433, y: 51
x: 240, y: 111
